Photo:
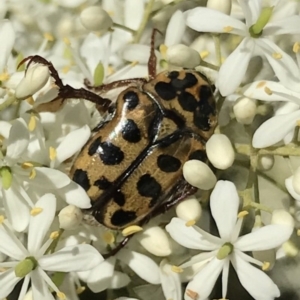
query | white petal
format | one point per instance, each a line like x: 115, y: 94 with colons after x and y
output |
x: 100, y: 277
x: 141, y: 264
x: 39, y: 287
x: 50, y: 178
x: 5, y: 129
x: 74, y: 194
x: 11, y: 245
x: 191, y: 238
x: 7, y: 34
x: 208, y: 20
x: 136, y: 52
x: 18, y: 139
x: 224, y: 203
x: 72, y: 259
x: 279, y: 92
x: 264, y: 238
x: 16, y: 207
x: 119, y: 280
x: 256, y: 282
x: 235, y: 66
x: 137, y: 7
x: 8, y: 281
x: 72, y: 143
x: 251, y: 10
x: 289, y: 186
x: 204, y: 281
x: 285, y: 68
x: 40, y: 223
x: 289, y: 25
x: 175, y: 29
x: 275, y: 129
x: 170, y: 281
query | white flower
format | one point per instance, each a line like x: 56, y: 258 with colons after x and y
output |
x: 229, y: 247
x: 261, y: 23
x: 32, y: 263
x: 282, y: 125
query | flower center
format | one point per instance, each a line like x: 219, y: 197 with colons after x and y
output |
x: 256, y: 29
x: 225, y: 250
x: 6, y: 177
x: 25, y: 266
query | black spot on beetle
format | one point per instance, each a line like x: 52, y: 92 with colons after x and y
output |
x: 130, y: 131
x: 132, y: 99
x: 199, y: 155
x: 189, y: 81
x: 147, y: 186
x: 94, y: 146
x: 187, y: 101
x: 205, y: 94
x: 201, y: 120
x: 119, y: 198
x: 168, y: 163
x: 165, y: 90
x: 173, y: 74
x: 102, y: 183
x: 110, y: 154
x: 122, y: 217
x: 80, y: 176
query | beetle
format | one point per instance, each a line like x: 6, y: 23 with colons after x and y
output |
x: 131, y: 168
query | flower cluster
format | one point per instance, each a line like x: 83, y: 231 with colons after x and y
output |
x: 62, y: 64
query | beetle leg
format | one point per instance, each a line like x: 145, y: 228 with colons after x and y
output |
x: 66, y: 91
x: 118, y: 248
x: 152, y: 58
x: 183, y: 191
x: 115, y: 84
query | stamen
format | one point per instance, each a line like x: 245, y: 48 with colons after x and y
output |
x: 204, y: 54
x: 227, y: 29
x: 176, y: 269
x: 35, y: 211
x: 67, y: 41
x: 32, y: 174
x: 4, y: 76
x: 265, y: 266
x: 80, y: 290
x: 268, y: 91
x: 27, y: 165
x: 54, y: 235
x: 277, y: 55
x: 296, y: 47
x: 131, y: 230
x: 242, y: 214
x: 260, y: 84
x: 49, y: 37
x: 108, y: 238
x: 32, y: 123
x: 61, y: 295
x: 52, y: 153
x: 30, y: 100
x: 190, y: 223
x: 1, y: 219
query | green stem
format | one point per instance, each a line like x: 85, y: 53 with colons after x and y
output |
x: 145, y: 19
x: 7, y: 103
x: 216, y: 38
x: 209, y: 65
x: 123, y: 27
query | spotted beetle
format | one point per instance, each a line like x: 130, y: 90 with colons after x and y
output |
x: 131, y: 168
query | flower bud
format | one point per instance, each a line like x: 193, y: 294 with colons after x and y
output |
x: 189, y: 209
x: 244, y: 110
x: 282, y: 217
x: 265, y: 162
x: 198, y: 174
x: 223, y: 6
x: 35, y: 78
x: 94, y: 18
x: 155, y: 240
x: 70, y: 217
x: 183, y: 56
x: 296, y: 180
x: 220, y: 151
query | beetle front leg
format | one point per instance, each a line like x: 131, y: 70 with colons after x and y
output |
x: 66, y: 91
